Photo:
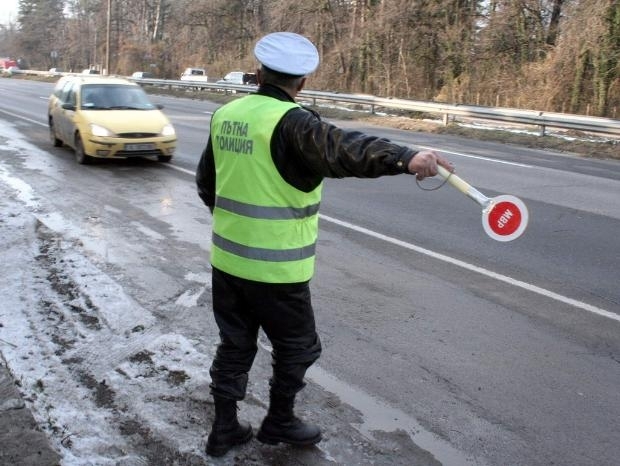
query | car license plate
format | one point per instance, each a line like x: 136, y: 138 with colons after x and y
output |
x: 142, y: 146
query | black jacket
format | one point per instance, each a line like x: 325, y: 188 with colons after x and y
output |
x: 305, y: 150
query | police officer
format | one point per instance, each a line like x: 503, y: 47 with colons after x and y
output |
x: 261, y: 176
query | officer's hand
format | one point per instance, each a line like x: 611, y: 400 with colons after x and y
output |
x: 425, y: 162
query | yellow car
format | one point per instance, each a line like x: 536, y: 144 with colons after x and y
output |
x: 108, y: 118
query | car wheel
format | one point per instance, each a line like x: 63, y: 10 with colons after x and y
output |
x: 80, y: 156
x: 164, y: 158
x: 57, y: 142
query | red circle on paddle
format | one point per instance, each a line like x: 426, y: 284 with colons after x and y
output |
x: 506, y: 219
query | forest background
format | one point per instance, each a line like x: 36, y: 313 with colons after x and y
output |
x: 547, y: 55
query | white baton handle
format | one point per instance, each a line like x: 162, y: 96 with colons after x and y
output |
x: 463, y: 186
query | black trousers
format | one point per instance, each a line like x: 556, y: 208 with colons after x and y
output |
x: 283, y: 311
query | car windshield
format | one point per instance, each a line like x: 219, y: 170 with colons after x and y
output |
x: 114, y: 97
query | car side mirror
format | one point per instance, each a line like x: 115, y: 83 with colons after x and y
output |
x: 68, y: 106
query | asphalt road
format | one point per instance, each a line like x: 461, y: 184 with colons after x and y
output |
x: 440, y: 344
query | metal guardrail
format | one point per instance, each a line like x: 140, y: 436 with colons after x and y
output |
x: 542, y: 120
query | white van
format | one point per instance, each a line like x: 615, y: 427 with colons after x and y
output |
x: 194, y: 74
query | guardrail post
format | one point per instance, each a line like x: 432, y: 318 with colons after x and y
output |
x: 446, y: 117
x: 543, y: 129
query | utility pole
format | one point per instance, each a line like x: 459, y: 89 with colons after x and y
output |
x: 107, y: 39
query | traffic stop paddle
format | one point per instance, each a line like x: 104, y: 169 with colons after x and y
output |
x: 504, y: 217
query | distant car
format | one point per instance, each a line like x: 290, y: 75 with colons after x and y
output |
x: 194, y: 74
x: 11, y: 70
x: 104, y: 117
x: 55, y: 71
x: 91, y: 71
x: 142, y: 75
x: 239, y: 77
x: 250, y: 79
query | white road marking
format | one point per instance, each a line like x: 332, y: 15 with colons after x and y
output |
x: 181, y: 169
x: 21, y: 117
x: 475, y: 268
x: 479, y: 157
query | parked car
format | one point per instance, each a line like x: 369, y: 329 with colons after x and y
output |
x: 104, y: 117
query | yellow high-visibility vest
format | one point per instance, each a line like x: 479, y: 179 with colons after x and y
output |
x: 264, y: 229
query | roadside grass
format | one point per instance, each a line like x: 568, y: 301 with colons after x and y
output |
x: 564, y: 141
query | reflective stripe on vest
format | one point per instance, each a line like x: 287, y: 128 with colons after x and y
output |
x: 263, y: 228
x: 272, y: 213
x: 261, y: 254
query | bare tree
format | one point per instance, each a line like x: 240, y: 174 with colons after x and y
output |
x: 546, y: 54
x: 39, y: 21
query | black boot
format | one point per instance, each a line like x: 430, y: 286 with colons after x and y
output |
x: 227, y: 431
x: 281, y: 425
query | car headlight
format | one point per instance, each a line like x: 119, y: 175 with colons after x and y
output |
x: 97, y: 130
x: 168, y: 130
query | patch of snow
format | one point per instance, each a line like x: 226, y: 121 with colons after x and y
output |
x: 88, y: 357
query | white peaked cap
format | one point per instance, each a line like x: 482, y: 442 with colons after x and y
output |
x: 287, y: 52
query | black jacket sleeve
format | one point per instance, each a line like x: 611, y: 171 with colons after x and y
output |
x: 205, y: 176
x: 306, y: 150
